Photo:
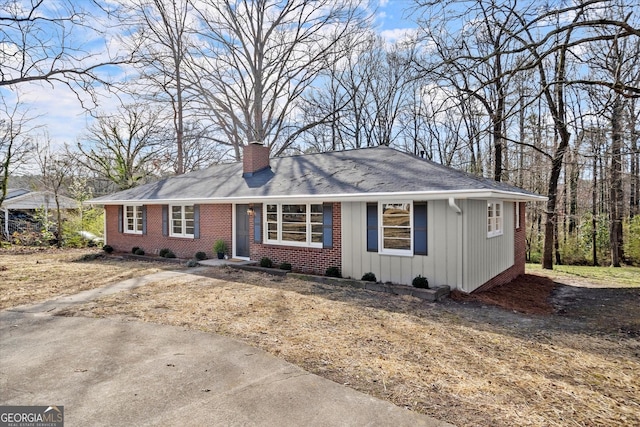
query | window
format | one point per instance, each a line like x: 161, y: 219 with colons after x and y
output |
x: 182, y: 221
x: 494, y: 219
x: 517, y: 206
x: 295, y: 224
x: 133, y: 221
x: 398, y: 225
x: 396, y: 228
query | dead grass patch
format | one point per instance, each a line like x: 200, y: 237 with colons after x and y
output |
x: 436, y: 359
x: 29, y: 275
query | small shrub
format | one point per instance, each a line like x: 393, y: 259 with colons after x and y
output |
x: 220, y: 246
x: 200, y: 256
x: 139, y: 251
x: 369, y: 277
x: 107, y: 248
x: 420, y: 282
x: 266, y: 262
x: 134, y: 249
x: 166, y: 253
x: 285, y: 266
x: 333, y: 272
x: 192, y: 263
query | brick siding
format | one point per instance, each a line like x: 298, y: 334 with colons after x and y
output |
x: 215, y: 223
x: 304, y: 260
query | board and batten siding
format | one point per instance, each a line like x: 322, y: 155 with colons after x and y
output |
x: 439, y: 266
x: 485, y: 257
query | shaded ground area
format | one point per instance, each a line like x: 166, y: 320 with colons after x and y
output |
x: 604, y: 310
x: 467, y: 360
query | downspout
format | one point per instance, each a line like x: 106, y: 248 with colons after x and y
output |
x: 458, y: 211
x: 104, y: 225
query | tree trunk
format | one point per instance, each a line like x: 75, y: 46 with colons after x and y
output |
x: 616, y: 195
x: 594, y: 206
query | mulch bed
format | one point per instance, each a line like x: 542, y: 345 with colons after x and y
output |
x: 528, y: 294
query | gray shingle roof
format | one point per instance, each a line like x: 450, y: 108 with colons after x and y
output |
x: 341, y: 175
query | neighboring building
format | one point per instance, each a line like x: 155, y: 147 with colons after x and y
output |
x: 367, y: 210
x: 20, y: 205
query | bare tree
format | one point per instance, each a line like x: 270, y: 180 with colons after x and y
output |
x: 55, y: 171
x: 160, y: 45
x: 44, y: 42
x: 257, y: 58
x: 16, y: 128
x: 124, y: 148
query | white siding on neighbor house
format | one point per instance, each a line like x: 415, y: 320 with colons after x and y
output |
x: 486, y: 257
x: 440, y: 266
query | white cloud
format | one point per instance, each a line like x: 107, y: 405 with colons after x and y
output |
x: 399, y: 35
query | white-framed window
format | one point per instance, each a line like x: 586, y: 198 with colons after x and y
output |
x: 494, y: 219
x: 396, y: 228
x: 182, y: 222
x: 294, y: 224
x: 132, y: 219
x: 517, y: 209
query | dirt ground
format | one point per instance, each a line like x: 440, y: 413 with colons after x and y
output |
x: 530, y: 353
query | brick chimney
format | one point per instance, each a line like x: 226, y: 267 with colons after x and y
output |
x: 255, y: 158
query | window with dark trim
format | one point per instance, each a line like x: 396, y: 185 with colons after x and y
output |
x: 300, y: 224
x: 182, y: 221
x: 133, y: 219
x: 397, y: 228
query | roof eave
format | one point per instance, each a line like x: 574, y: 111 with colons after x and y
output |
x: 344, y: 197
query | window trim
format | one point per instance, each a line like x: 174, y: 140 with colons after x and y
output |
x: 517, y: 209
x: 496, y: 221
x: 397, y: 252
x: 308, y: 243
x: 137, y: 209
x: 183, y: 220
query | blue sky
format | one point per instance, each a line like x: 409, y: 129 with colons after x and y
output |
x: 62, y: 117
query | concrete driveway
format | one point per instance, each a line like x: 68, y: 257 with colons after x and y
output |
x: 117, y: 373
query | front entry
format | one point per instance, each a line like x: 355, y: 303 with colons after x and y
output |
x: 242, y: 231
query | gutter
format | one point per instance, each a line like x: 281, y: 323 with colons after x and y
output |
x: 337, y: 197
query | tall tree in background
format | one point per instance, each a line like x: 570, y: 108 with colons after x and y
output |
x: 256, y: 59
x: 160, y: 44
x: 16, y: 128
x: 475, y: 59
x: 124, y: 148
x: 55, y: 170
x: 543, y: 39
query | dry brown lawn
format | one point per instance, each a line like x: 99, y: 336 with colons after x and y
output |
x: 29, y: 275
x: 466, y: 362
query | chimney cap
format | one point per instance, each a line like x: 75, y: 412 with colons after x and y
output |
x: 256, y: 143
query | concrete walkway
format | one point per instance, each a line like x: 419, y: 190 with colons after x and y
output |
x: 118, y: 373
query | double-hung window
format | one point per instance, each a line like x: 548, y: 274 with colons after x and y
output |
x: 182, y: 221
x: 133, y: 219
x: 396, y: 228
x: 494, y: 219
x: 294, y: 224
